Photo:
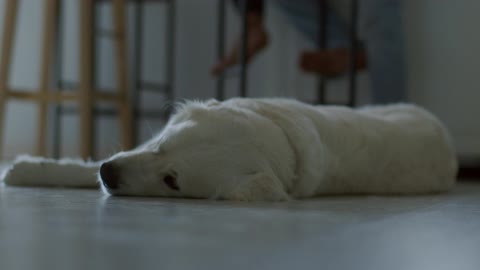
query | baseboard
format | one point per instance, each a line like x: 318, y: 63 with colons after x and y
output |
x: 469, y: 173
x: 469, y: 168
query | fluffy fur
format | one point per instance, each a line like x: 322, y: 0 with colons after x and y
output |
x: 272, y: 149
x: 37, y: 171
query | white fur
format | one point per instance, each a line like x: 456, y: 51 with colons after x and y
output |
x: 37, y: 171
x: 275, y: 149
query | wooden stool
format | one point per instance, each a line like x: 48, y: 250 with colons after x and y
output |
x: 85, y: 96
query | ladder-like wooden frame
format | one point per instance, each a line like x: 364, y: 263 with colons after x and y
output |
x: 85, y: 96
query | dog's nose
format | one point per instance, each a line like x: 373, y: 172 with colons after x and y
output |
x: 109, y: 175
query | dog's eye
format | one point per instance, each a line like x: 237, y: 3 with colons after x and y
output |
x: 171, y: 182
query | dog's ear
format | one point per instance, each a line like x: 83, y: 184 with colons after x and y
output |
x: 212, y: 102
x: 258, y: 187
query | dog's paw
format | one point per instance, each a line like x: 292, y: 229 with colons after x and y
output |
x: 258, y: 187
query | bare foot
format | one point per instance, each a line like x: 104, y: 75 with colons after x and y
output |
x: 330, y: 62
x: 257, y: 40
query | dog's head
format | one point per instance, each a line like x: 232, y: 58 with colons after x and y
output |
x: 205, y: 151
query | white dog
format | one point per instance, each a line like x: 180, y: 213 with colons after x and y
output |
x: 269, y: 149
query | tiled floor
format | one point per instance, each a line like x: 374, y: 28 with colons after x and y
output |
x: 81, y: 229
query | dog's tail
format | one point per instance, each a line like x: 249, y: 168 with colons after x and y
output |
x: 36, y: 171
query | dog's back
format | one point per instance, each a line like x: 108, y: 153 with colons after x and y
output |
x: 398, y: 148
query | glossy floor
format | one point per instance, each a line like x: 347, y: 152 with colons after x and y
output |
x: 81, y: 229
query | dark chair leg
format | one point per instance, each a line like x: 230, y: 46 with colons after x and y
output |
x: 58, y: 77
x: 243, y: 53
x: 322, y: 44
x: 171, y: 17
x: 95, y: 60
x: 221, y: 13
x: 137, y: 66
x: 352, y: 95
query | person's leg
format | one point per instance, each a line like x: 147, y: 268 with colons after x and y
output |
x: 382, y: 30
x: 304, y: 15
x: 333, y: 61
x: 257, y: 37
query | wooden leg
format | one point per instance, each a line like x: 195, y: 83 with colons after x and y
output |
x: 86, y: 78
x: 50, y: 11
x: 123, y: 104
x: 8, y: 36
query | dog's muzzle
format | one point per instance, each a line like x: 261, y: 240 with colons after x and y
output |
x: 109, y: 175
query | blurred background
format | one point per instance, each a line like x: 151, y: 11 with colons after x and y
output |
x: 442, y: 56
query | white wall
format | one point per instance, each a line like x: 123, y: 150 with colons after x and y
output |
x: 442, y: 53
x: 444, y: 68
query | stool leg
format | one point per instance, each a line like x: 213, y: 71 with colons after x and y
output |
x: 137, y: 66
x: 58, y: 78
x: 123, y: 102
x: 243, y: 51
x: 322, y: 44
x: 221, y: 13
x: 50, y: 11
x: 352, y: 78
x: 86, y: 78
x: 8, y: 36
x: 170, y: 63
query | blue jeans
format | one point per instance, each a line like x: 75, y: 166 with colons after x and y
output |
x: 380, y: 31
